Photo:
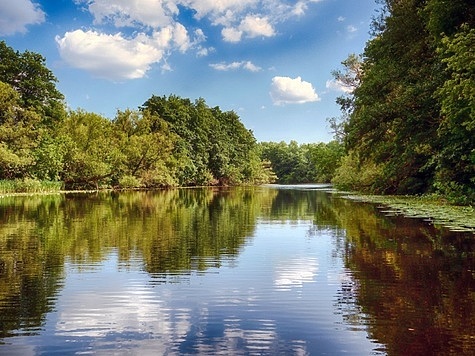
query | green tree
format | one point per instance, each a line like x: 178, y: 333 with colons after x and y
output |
x: 456, y: 161
x: 146, y: 144
x: 211, y: 147
x: 27, y: 73
x: 18, y: 135
x: 91, y: 153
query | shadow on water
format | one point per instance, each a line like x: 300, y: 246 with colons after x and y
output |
x: 408, y: 284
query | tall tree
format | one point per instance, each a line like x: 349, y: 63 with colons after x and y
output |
x: 27, y: 73
x: 18, y: 135
x: 456, y: 160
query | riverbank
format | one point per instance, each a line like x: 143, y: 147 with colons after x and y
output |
x: 434, y: 209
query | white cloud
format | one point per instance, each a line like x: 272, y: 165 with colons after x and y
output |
x: 236, y: 65
x: 337, y: 85
x: 114, y: 56
x: 251, y: 26
x: 295, y: 273
x: 15, y: 15
x: 216, y: 8
x: 285, y: 90
x: 108, y: 56
x: 300, y: 8
x: 341, y: 19
x: 180, y: 37
x: 351, y: 29
x: 251, y: 67
x: 255, y: 26
x: 231, y: 34
x: 153, y: 13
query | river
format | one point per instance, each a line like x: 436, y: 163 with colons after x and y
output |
x: 234, y: 271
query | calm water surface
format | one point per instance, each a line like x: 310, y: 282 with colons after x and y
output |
x: 237, y: 271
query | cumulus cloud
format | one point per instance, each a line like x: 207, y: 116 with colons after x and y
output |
x: 285, y: 90
x: 160, y: 32
x: 337, y: 85
x: 231, y: 34
x: 15, y: 15
x: 255, y: 26
x: 109, y: 56
x: 115, y: 57
x: 216, y: 8
x: 251, y: 26
x: 153, y: 13
x: 248, y: 65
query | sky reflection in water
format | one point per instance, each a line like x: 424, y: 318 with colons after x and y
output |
x: 279, y: 296
x: 236, y: 271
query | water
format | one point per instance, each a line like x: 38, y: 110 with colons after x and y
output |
x: 238, y: 271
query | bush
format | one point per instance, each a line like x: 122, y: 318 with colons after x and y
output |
x: 127, y: 182
x: 356, y: 175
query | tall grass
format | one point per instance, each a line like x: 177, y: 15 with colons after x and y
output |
x: 29, y: 186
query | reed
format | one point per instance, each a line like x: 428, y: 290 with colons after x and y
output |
x: 29, y: 185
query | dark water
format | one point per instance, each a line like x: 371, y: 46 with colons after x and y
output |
x: 241, y: 271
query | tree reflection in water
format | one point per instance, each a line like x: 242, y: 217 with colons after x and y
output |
x: 408, y: 284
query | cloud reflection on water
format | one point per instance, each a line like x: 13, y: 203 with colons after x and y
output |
x: 294, y: 273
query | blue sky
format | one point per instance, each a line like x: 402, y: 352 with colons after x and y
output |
x: 270, y: 61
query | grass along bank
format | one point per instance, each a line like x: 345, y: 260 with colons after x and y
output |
x: 29, y: 185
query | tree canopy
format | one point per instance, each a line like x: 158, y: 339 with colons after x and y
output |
x: 408, y: 122
x: 169, y: 141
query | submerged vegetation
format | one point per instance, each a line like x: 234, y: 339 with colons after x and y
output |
x: 431, y: 208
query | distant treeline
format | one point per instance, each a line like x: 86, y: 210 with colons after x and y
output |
x: 304, y: 163
x: 409, y: 123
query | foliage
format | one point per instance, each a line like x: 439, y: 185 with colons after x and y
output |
x: 305, y: 163
x: 410, y: 115
x: 28, y: 75
x: 28, y: 185
x: 356, y: 174
x: 168, y: 142
x: 456, y: 160
x: 211, y: 147
x: 18, y: 136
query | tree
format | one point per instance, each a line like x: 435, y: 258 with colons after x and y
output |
x: 410, y: 123
x: 348, y: 80
x: 18, y: 135
x: 27, y: 74
x: 91, y: 153
x: 211, y: 147
x: 456, y: 161
x: 305, y: 163
x: 394, y: 117
x: 146, y: 144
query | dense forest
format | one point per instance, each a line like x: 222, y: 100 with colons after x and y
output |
x: 408, y: 125
x: 168, y: 141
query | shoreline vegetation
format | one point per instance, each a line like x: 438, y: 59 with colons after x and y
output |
x: 433, y: 208
x: 407, y: 125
